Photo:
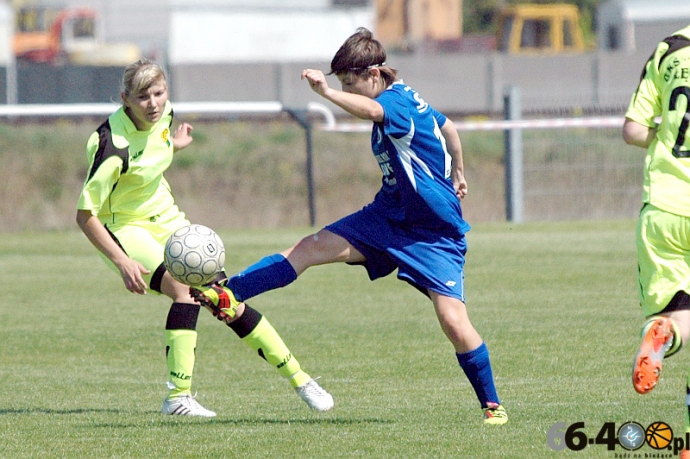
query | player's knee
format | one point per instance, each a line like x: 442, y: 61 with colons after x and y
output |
x: 182, y: 316
x: 173, y: 289
x: 245, y: 321
x: 238, y: 314
x: 309, y: 244
x: 309, y: 251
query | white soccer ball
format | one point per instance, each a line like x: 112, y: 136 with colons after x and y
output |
x: 194, y: 255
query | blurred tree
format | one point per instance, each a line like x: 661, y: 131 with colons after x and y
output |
x: 479, y: 16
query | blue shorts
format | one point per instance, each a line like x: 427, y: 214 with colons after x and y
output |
x: 424, y: 258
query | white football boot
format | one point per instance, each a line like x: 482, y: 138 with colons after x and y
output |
x: 185, y: 405
x: 315, y: 396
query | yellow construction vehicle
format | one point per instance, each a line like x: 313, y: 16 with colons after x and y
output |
x: 540, y: 28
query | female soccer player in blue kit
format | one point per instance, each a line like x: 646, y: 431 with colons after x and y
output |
x: 415, y: 222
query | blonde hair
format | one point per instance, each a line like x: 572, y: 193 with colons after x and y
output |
x: 141, y: 75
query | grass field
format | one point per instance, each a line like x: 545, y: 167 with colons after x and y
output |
x: 83, y: 371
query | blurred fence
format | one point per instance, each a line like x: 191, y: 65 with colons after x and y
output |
x: 573, y: 168
x: 581, y: 173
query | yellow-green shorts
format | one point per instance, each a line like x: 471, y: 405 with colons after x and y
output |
x: 663, y: 254
x: 144, y: 240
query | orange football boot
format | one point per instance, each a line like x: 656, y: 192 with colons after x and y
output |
x: 647, y: 368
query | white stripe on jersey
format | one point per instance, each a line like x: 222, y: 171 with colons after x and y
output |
x: 407, y: 155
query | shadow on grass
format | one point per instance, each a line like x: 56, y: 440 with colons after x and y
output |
x: 334, y: 421
x: 53, y: 411
x: 175, y: 421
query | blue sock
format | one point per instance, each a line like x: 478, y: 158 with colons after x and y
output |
x: 266, y: 274
x: 477, y: 367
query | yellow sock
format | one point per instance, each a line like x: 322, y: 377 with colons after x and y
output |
x: 265, y: 340
x: 181, y: 347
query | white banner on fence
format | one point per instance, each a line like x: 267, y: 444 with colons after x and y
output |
x: 275, y: 108
x: 501, y: 125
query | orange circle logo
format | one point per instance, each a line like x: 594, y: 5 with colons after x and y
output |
x: 659, y: 435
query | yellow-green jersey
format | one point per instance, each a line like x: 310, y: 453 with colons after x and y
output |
x: 664, y: 91
x: 125, y: 180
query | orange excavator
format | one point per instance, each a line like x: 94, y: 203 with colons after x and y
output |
x: 73, y: 35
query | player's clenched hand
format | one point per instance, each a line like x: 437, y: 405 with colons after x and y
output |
x: 133, y: 276
x: 317, y: 80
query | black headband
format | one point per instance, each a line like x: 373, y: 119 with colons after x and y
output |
x: 357, y: 69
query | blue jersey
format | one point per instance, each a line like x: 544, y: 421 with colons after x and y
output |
x: 411, y: 151
x: 415, y: 223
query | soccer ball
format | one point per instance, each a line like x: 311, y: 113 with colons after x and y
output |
x: 194, y: 255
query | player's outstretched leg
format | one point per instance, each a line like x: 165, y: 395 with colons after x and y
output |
x: 269, y: 273
x: 218, y: 299
x: 256, y: 331
x: 657, y: 339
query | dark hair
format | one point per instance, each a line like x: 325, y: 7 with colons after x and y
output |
x: 361, y: 52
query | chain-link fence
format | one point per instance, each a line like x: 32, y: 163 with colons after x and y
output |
x: 580, y: 173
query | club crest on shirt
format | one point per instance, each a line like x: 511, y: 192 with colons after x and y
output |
x: 165, y: 136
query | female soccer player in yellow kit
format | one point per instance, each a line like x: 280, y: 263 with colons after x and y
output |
x: 663, y: 230
x: 127, y: 211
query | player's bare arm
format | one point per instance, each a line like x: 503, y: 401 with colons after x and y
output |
x: 130, y: 270
x: 454, y: 147
x: 361, y: 106
x: 637, y: 134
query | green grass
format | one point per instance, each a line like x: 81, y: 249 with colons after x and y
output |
x: 82, y: 361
